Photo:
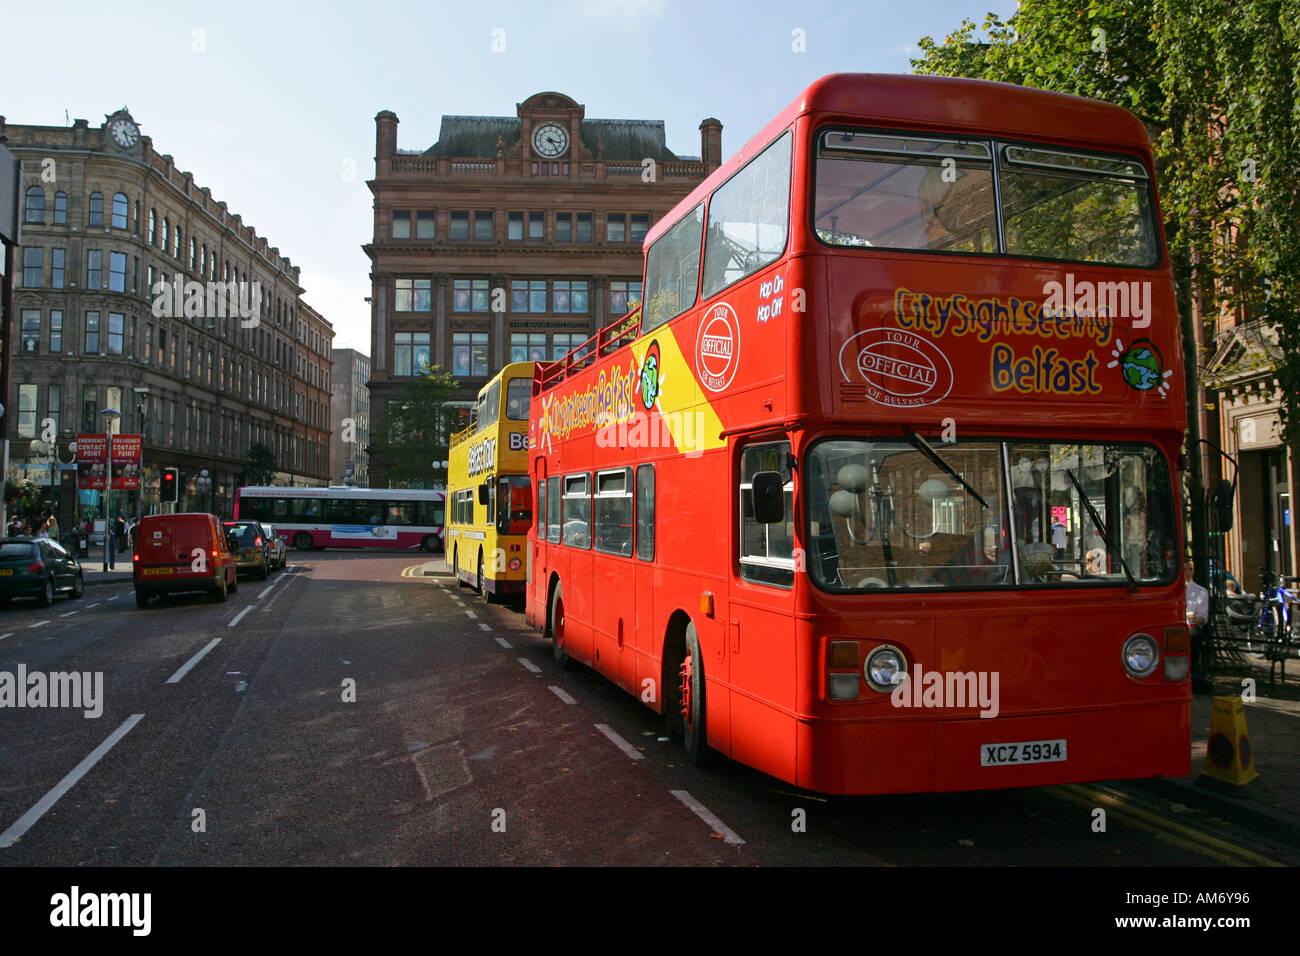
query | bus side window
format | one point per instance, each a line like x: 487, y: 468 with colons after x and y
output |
x: 553, y: 511
x: 577, y: 511
x: 541, y: 510
x: 645, y: 512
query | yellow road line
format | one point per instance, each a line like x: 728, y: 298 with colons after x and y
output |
x: 1162, y: 828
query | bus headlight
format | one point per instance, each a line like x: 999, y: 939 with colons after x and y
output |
x: 885, y: 667
x: 1141, y: 655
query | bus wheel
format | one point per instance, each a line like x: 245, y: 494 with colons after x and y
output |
x: 691, y: 696
x: 302, y: 541
x: 484, y: 592
x: 430, y: 543
x: 557, y: 627
x: 455, y: 566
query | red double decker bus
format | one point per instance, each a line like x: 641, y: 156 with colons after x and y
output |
x: 877, y: 492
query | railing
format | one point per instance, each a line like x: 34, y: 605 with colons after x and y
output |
x: 605, y: 342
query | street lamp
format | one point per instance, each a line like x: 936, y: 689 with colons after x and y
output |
x: 50, y: 450
x: 111, y: 415
x: 142, y: 409
x: 204, y: 485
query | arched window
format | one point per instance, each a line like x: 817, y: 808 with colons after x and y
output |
x: 167, y: 231
x: 60, y: 209
x: 35, y: 205
x: 119, y: 210
x: 96, y: 209
x: 194, y: 254
x: 203, y: 260
x: 176, y: 246
x: 153, y: 227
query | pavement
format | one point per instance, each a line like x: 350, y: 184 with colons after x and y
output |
x: 1272, y: 804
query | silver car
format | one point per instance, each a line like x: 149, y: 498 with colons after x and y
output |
x: 276, y: 545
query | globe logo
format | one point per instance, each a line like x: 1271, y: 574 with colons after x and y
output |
x: 1142, y: 366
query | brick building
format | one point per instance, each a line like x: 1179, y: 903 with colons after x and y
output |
x: 512, y: 238
x: 137, y: 290
x: 350, y: 402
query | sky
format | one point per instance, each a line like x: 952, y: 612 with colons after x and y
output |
x: 271, y: 104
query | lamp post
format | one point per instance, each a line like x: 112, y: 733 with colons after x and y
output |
x: 111, y: 415
x: 53, y: 459
x: 142, y: 409
x: 204, y: 485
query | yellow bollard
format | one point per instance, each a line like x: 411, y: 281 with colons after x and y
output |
x: 1229, y: 762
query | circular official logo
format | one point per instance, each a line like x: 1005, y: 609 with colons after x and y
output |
x: 898, y: 368
x: 717, y: 347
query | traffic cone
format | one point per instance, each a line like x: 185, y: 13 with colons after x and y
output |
x: 1229, y: 762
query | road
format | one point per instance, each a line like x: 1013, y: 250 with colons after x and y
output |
x: 343, y: 713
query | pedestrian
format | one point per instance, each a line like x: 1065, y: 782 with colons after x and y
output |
x: 119, y: 532
x: 52, y: 527
x: 1198, y: 613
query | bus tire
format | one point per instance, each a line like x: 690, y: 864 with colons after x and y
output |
x: 557, y: 627
x: 302, y: 541
x: 455, y: 566
x: 430, y: 543
x: 691, y: 700
x: 484, y: 591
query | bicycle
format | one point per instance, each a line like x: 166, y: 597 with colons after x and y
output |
x: 1274, y: 630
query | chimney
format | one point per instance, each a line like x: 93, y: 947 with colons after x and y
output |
x: 385, y: 142
x: 711, y: 143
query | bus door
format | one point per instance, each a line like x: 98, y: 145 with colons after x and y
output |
x: 760, y: 628
x: 537, y: 575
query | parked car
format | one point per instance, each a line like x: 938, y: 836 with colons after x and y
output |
x: 182, y: 552
x: 252, y: 550
x: 38, y: 569
x: 276, y: 545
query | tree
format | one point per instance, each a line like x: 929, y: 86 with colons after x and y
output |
x: 417, y: 428
x: 261, y: 466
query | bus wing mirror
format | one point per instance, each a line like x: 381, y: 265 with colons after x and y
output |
x: 1223, y: 503
x: 483, y: 493
x: 769, y: 497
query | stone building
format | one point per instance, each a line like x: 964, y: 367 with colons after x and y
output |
x: 512, y: 238
x: 137, y: 290
x: 350, y: 419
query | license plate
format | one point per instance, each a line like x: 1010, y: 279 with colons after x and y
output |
x: 1033, y: 751
x: 6, y: 572
x: 146, y: 572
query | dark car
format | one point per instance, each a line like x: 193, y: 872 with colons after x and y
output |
x: 38, y: 568
x: 182, y: 552
x: 251, y: 548
x: 275, y: 544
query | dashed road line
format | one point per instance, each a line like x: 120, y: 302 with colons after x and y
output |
x: 700, y: 810
x: 559, y: 692
x: 619, y: 742
x: 185, y: 668
x: 37, y: 624
x: 504, y: 643
x: 266, y: 590
x: 485, y: 627
x: 470, y: 613
x: 3, y: 636
x: 529, y: 664
x: 238, y: 617
x: 70, y: 613
x: 91, y: 607
x: 25, y: 822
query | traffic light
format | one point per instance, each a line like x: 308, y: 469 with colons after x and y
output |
x: 171, y: 483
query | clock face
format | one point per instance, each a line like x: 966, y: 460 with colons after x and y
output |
x: 124, y: 132
x: 550, y: 140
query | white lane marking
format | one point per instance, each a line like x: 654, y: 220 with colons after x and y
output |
x: 114, y: 598
x: 504, y: 643
x: 559, y: 692
x: 529, y: 664
x: 484, y: 627
x: 277, y: 594
x: 37, y: 624
x: 240, y: 616
x: 25, y: 822
x: 3, y: 636
x: 700, y: 810
x: 619, y: 742
x: 266, y: 590
x: 185, y: 668
x: 471, y: 614
x: 70, y: 613
x: 91, y: 607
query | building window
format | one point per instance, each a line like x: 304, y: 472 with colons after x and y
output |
x: 116, y: 326
x: 54, y: 405
x: 410, y: 353
x: 31, y: 330
x: 92, y: 333
x: 569, y: 296
x: 35, y: 210
x: 194, y: 254
x: 584, y: 227
x: 94, y: 269
x: 60, y: 209
x: 89, y: 408
x: 483, y: 226
x: 413, y: 295
x: 460, y: 225
x: 33, y: 268
x: 623, y: 296
x: 27, y: 411
x: 640, y: 226
x: 96, y: 209
x: 469, y: 295
x: 563, y: 227
x: 536, y: 226
x: 616, y: 228
x: 528, y: 347
x: 528, y: 295
x: 153, y: 227
x: 515, y: 227
x: 401, y: 224
x: 425, y: 224
x: 119, y: 211
x: 176, y: 246
x: 56, y: 331
x: 469, y: 354
x: 57, y: 259
x: 117, y: 271
x: 563, y: 343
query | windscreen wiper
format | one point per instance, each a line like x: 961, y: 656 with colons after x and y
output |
x: 1101, y: 529
x: 926, y: 449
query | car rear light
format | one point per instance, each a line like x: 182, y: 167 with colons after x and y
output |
x: 257, y: 542
x: 214, y: 555
x: 135, y: 557
x: 36, y: 567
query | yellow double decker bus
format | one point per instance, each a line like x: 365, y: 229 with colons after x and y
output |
x: 489, y: 497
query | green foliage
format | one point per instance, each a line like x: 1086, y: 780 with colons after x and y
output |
x: 417, y: 428
x: 261, y: 468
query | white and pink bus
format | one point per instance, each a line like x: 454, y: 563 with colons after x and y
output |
x: 343, y: 517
